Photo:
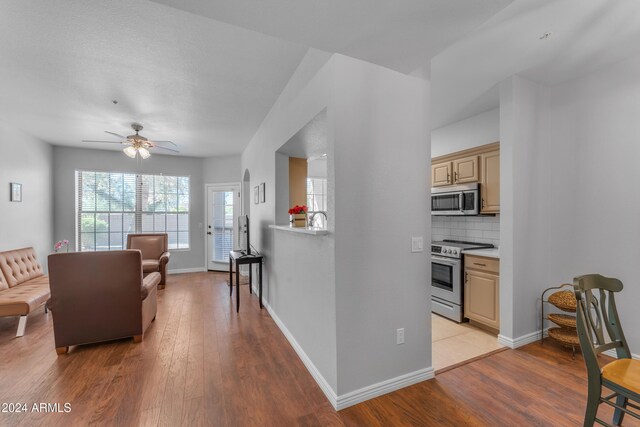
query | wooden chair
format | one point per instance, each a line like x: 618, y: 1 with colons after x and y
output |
x: 621, y: 376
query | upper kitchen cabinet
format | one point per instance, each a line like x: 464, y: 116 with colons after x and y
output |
x: 441, y: 174
x: 466, y: 170
x: 478, y: 164
x: 490, y: 184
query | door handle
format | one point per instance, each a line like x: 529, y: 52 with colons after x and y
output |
x: 466, y: 277
x: 455, y: 176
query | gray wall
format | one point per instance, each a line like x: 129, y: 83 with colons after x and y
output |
x: 378, y: 138
x: 381, y: 155
x: 216, y: 170
x: 571, y: 152
x: 67, y: 160
x: 474, y: 131
x: 28, y: 161
x: 300, y: 293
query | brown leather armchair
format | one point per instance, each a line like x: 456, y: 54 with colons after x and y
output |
x: 100, y: 296
x: 155, y: 253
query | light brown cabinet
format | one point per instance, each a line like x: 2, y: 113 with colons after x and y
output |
x: 441, y: 174
x: 490, y: 183
x: 482, y: 290
x: 479, y: 164
x: 466, y: 170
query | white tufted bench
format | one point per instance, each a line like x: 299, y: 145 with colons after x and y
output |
x: 23, y: 285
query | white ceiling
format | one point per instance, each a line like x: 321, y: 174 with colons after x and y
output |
x: 586, y: 35
x: 204, y: 84
x: 401, y: 34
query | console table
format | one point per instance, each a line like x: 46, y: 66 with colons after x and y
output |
x: 240, y: 258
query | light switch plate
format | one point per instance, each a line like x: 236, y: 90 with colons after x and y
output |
x: 416, y: 244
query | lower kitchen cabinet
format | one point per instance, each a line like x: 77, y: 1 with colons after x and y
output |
x: 482, y: 291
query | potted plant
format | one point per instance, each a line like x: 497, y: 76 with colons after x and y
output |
x: 298, y: 216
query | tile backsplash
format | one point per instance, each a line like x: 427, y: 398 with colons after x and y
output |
x: 481, y: 229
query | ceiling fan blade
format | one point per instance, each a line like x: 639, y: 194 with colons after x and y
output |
x: 115, y: 134
x: 105, y: 142
x: 166, y: 142
x: 165, y: 148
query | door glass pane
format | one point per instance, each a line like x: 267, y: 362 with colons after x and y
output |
x: 222, y: 225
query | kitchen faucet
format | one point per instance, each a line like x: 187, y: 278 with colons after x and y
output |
x: 313, y: 215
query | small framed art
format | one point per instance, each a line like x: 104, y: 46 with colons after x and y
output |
x: 15, y: 192
x: 262, y: 193
x: 256, y: 194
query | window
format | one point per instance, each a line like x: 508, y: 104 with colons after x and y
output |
x: 317, y: 198
x: 111, y: 205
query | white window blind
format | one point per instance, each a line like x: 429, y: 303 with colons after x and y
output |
x: 111, y: 205
x: 317, y: 199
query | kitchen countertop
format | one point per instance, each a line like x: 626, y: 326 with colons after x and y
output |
x: 490, y: 253
x: 314, y: 231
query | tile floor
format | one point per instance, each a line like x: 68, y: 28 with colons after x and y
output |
x: 456, y: 342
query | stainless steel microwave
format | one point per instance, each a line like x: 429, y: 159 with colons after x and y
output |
x: 455, y: 200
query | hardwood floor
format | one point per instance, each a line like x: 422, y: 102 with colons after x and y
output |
x: 201, y: 364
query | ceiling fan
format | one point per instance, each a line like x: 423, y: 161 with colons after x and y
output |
x: 137, y: 145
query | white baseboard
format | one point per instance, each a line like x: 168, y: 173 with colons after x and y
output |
x: 520, y: 341
x: 315, y: 373
x: 612, y: 353
x: 383, y: 387
x: 187, y: 270
x: 356, y: 396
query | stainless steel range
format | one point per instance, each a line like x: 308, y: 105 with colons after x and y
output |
x: 446, y: 277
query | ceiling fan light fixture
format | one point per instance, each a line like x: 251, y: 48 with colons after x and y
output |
x: 131, y: 152
x: 144, y: 153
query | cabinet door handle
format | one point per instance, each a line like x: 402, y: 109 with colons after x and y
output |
x: 480, y: 264
x: 448, y: 177
x: 455, y: 176
x: 466, y: 277
x: 483, y: 203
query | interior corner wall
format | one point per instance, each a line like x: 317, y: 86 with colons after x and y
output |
x: 481, y: 129
x: 381, y: 158
x: 28, y: 161
x: 568, y: 156
x: 594, y: 138
x: 67, y: 160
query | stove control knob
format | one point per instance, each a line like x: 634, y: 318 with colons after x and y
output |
x: 455, y: 252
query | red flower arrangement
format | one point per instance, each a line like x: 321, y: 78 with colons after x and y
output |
x: 298, y: 210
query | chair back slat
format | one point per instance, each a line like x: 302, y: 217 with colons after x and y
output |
x: 597, y: 318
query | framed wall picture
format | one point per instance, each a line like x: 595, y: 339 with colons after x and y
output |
x: 262, y: 193
x: 256, y: 194
x: 15, y: 193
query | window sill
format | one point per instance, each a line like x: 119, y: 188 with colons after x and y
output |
x: 314, y: 231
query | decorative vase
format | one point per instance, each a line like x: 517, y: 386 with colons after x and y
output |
x: 298, y: 220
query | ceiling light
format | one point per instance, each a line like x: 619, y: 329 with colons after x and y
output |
x: 131, y: 152
x: 144, y: 153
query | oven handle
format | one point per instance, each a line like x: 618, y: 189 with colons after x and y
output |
x: 445, y: 261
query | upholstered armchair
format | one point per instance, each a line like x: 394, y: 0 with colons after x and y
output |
x: 100, y: 296
x: 155, y: 253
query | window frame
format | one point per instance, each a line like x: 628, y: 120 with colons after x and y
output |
x: 137, y: 213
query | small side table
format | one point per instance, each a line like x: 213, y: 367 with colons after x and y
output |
x: 241, y: 258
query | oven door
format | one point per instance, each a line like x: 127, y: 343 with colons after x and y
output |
x: 446, y: 277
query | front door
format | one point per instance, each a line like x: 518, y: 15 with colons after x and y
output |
x: 223, y: 208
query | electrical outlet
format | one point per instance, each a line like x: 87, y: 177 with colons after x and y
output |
x: 416, y: 244
x: 400, y: 336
